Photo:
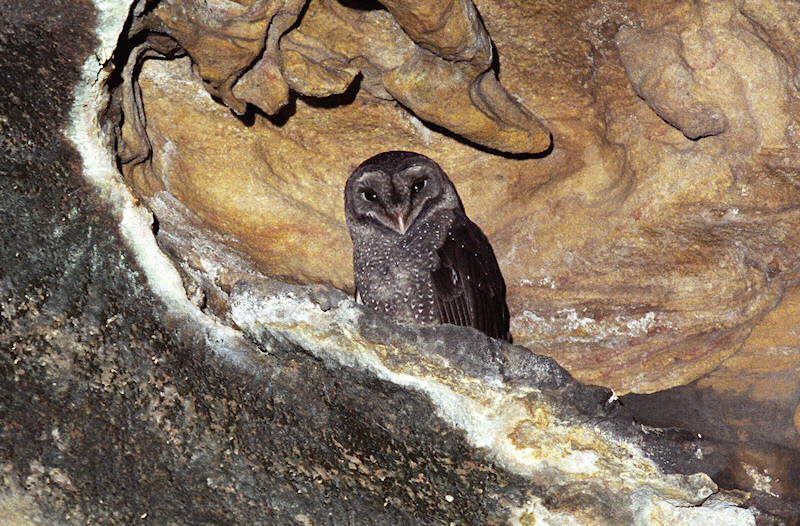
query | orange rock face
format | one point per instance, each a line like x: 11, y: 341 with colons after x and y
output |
x: 640, y: 251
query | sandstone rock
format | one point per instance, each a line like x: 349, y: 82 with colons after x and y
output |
x: 639, y: 259
x: 704, y: 68
x: 659, y: 75
x: 774, y: 22
x: 797, y: 419
x: 311, y: 69
x: 263, y: 86
x: 749, y: 403
x: 636, y: 256
x: 224, y: 41
x: 452, y: 29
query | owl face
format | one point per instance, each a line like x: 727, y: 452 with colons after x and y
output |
x: 416, y: 255
x: 393, y: 190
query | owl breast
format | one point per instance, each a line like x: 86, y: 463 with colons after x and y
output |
x: 393, y: 272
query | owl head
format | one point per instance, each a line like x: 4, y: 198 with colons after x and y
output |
x: 393, y: 190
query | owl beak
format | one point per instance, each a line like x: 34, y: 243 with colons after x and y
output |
x: 401, y: 223
x: 401, y: 218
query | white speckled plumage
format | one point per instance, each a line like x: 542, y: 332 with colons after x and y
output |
x: 416, y: 255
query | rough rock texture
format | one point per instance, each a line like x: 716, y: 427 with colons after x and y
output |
x: 637, y: 257
x: 705, y: 68
x: 573, y: 442
x: 434, y: 58
x: 122, y: 401
x: 751, y: 403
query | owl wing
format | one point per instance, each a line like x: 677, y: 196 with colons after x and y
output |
x: 468, y: 286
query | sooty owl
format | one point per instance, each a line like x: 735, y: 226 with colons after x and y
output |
x: 416, y: 255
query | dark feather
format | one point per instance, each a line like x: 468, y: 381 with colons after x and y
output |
x: 468, y: 285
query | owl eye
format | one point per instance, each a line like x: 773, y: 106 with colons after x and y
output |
x: 418, y: 186
x: 370, y: 196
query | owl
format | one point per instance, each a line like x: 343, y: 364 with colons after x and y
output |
x: 416, y: 255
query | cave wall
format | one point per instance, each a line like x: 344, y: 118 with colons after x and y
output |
x: 640, y: 248
x: 123, y: 402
